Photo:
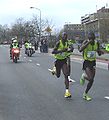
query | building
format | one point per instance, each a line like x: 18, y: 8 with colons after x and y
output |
x: 74, y: 31
x: 97, y: 22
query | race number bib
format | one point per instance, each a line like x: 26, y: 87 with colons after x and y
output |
x: 91, y: 54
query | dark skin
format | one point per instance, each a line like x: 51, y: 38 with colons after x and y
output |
x: 56, y: 51
x: 64, y: 40
x: 90, y: 72
x: 65, y: 66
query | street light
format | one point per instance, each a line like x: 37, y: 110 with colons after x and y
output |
x: 40, y: 21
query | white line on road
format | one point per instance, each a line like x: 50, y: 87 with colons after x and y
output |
x: 102, y: 65
x: 106, y: 97
x: 30, y: 60
x: 37, y: 64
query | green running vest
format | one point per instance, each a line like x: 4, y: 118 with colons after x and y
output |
x: 62, y: 55
x: 89, y: 52
x: 107, y: 47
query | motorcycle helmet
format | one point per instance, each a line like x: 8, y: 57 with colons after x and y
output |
x: 14, y: 41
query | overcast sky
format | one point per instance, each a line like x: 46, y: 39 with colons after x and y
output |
x: 59, y: 11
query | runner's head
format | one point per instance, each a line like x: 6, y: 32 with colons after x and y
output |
x: 64, y: 36
x: 91, y: 36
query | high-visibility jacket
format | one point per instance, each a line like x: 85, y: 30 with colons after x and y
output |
x: 107, y: 47
x: 15, y: 45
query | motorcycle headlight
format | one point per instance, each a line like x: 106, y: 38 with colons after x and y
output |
x: 16, y: 51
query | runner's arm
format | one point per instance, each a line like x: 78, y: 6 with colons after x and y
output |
x: 84, y: 45
x: 56, y: 51
x: 71, y: 48
x: 99, y: 51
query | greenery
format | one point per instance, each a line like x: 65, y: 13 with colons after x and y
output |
x: 27, y: 30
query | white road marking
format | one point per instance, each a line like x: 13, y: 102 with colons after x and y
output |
x: 102, y: 65
x: 37, y: 64
x: 107, y: 97
x: 78, y: 60
x: 30, y: 60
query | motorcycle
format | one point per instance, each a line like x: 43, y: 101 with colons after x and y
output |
x: 30, y: 51
x: 15, y: 54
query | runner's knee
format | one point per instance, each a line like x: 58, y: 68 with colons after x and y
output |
x: 91, y: 81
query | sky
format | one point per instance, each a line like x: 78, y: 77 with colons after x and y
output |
x: 59, y: 12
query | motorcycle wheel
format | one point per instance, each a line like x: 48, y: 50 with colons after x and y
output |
x: 15, y: 59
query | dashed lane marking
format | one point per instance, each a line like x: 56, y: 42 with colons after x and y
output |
x: 30, y: 60
x: 106, y: 97
x: 37, y: 64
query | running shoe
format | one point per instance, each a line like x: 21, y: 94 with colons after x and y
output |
x: 53, y: 71
x: 86, y: 97
x: 70, y: 80
x: 67, y: 95
x: 82, y: 80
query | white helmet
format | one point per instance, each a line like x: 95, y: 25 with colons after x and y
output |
x: 14, y: 41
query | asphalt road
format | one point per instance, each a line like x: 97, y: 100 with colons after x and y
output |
x: 29, y: 92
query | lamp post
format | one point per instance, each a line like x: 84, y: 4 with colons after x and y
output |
x: 40, y: 21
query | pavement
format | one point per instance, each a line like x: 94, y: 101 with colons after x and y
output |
x: 102, y: 61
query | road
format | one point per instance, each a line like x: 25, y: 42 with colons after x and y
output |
x: 29, y: 92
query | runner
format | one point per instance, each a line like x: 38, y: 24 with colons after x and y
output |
x: 61, y: 52
x: 89, y: 48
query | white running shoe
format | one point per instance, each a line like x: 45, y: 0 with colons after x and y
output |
x: 71, y: 80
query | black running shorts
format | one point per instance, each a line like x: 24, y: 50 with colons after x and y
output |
x: 59, y: 64
x: 89, y: 64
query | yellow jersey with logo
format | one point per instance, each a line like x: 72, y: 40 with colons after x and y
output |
x: 89, y: 52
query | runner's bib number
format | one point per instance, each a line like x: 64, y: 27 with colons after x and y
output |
x: 91, y: 54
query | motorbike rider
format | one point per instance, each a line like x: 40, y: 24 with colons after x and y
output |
x: 107, y: 47
x: 14, y: 44
x: 28, y: 45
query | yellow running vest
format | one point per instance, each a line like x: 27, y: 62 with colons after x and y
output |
x: 62, y: 55
x: 89, y: 52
